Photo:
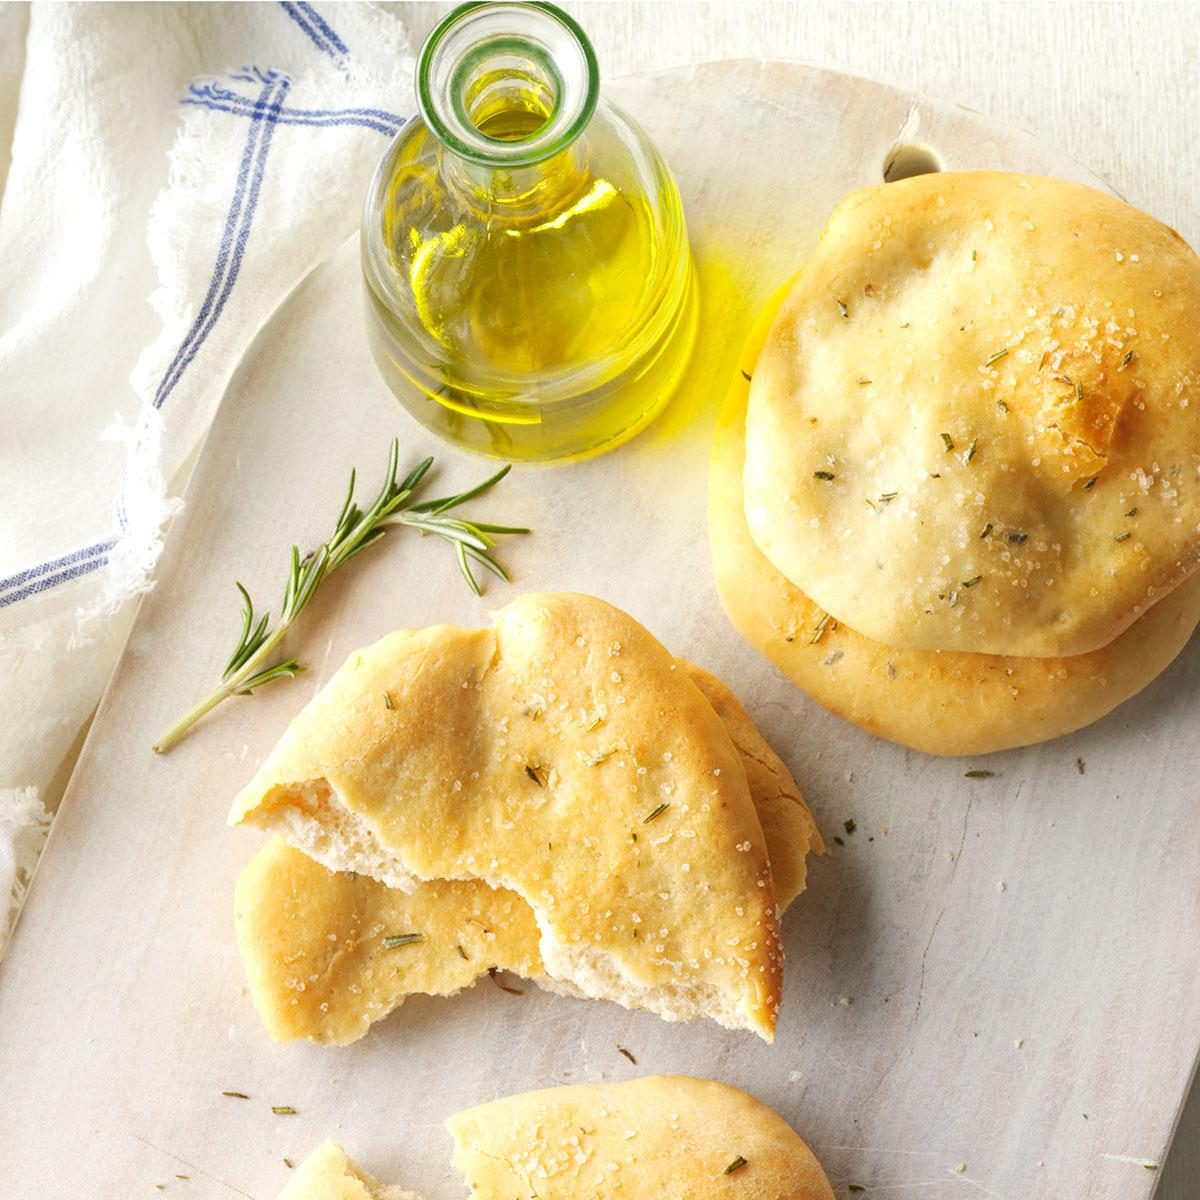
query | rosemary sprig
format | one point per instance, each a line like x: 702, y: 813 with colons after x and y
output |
x: 249, y: 666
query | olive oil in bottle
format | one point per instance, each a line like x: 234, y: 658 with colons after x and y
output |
x: 530, y: 288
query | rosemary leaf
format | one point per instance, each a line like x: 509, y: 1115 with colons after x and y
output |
x: 827, y: 475
x: 995, y: 358
x: 948, y: 442
x: 283, y: 1110
x: 394, y: 941
x: 737, y: 1164
x: 655, y: 813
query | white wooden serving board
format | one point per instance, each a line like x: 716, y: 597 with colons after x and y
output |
x: 993, y: 987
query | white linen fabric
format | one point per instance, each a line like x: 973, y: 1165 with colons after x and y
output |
x: 168, y: 174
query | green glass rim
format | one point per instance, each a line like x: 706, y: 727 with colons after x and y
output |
x: 482, y: 149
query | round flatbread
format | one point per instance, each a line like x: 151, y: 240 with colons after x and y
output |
x: 946, y: 702
x: 665, y: 1136
x: 975, y: 424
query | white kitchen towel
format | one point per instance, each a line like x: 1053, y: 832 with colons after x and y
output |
x: 168, y: 173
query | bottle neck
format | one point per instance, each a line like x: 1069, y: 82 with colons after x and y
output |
x: 507, y: 88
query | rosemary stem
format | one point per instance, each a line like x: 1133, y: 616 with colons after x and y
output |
x: 169, y: 737
x: 223, y: 690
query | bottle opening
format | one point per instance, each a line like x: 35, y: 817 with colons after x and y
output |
x: 507, y: 84
x: 511, y: 100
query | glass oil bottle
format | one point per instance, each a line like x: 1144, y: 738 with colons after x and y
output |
x: 530, y: 289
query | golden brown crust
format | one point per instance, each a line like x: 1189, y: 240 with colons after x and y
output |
x: 318, y: 962
x: 946, y: 703
x: 664, y: 1136
x: 787, y: 823
x: 313, y: 940
x: 975, y: 424
x: 561, y: 748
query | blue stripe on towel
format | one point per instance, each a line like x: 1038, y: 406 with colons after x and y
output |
x: 237, y: 232
x: 317, y: 29
x: 67, y: 560
x: 300, y: 116
x: 45, y: 581
x: 214, y: 91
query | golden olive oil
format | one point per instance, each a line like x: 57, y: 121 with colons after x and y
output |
x: 528, y: 310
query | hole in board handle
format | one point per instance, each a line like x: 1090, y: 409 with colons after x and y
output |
x: 909, y: 159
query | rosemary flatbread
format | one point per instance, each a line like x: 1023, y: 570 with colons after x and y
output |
x: 945, y: 702
x: 975, y: 424
x: 561, y: 754
x: 661, y: 1137
x: 329, y: 953
x: 648, y: 1139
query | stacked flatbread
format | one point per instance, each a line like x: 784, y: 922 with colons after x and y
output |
x: 649, y: 1139
x: 955, y: 490
x: 555, y: 795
